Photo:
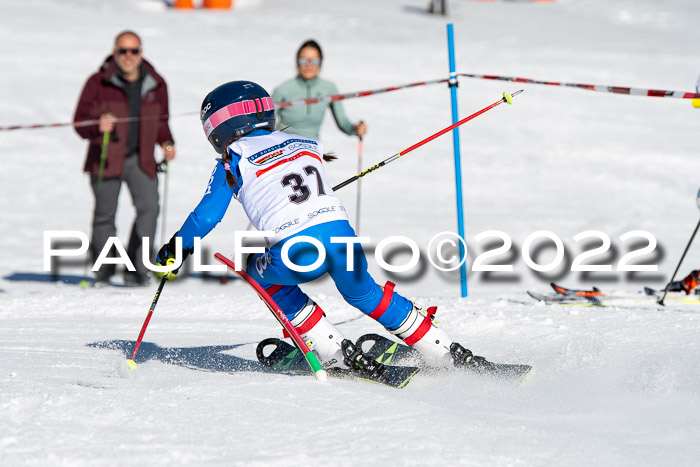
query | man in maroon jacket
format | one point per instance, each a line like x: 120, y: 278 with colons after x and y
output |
x: 130, y: 100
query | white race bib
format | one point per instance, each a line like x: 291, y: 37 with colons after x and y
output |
x: 285, y: 188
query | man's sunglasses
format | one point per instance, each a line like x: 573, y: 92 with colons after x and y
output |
x: 306, y: 61
x: 126, y: 51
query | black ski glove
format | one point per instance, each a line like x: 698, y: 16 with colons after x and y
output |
x: 166, y: 257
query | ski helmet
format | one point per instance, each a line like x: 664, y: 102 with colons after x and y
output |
x: 235, y: 109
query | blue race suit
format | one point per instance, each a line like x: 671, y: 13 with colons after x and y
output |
x: 357, y: 287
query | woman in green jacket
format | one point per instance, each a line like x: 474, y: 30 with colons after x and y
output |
x: 306, y: 120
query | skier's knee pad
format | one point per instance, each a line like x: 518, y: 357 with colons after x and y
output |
x: 419, y: 331
x: 322, y: 337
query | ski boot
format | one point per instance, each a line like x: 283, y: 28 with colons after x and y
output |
x: 359, y: 363
x: 320, y: 335
x: 419, y: 330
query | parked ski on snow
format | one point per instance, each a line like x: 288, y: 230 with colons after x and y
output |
x: 559, y: 299
x: 285, y: 357
x: 594, y: 292
x: 386, y: 351
x: 595, y: 297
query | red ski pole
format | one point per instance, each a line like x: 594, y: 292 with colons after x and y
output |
x: 130, y: 360
x: 506, y: 98
x: 358, y: 202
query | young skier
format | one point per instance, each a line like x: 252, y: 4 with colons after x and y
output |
x: 280, y: 181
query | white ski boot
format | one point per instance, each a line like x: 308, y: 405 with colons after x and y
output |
x: 436, y: 346
x: 324, y: 339
x: 419, y: 331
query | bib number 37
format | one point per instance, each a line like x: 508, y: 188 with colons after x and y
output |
x: 302, y: 192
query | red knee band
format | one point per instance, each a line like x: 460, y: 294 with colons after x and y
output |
x: 384, y: 303
x: 423, y: 328
x: 310, y: 322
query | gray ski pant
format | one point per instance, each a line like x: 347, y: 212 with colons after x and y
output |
x: 145, y: 198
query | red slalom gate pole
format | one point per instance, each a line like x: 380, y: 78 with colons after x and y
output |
x: 506, y: 98
x: 299, y: 343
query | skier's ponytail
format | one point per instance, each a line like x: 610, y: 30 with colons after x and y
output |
x: 230, y: 179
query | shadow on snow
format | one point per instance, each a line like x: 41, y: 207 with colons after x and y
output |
x: 205, y: 358
x: 45, y: 277
x: 74, y: 279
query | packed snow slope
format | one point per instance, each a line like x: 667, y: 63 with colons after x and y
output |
x: 617, y: 385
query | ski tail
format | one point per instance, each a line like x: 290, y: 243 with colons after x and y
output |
x: 279, y: 355
x: 277, y: 312
x: 387, y: 351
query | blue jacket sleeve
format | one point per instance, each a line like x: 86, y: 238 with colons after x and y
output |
x: 211, y: 208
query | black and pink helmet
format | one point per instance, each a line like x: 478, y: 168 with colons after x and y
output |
x: 235, y: 109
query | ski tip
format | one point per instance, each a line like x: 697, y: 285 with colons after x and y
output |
x: 83, y: 284
x: 408, y: 379
x: 526, y: 375
x: 131, y: 364
x: 558, y: 289
x: 508, y: 98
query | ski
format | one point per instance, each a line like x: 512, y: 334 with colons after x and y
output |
x: 595, y: 297
x: 279, y: 355
x: 560, y: 299
x: 566, y: 296
x: 387, y: 351
x: 594, y: 292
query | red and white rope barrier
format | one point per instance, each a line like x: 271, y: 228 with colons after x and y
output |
x: 351, y: 95
x: 278, y: 105
x: 83, y: 123
x: 593, y: 87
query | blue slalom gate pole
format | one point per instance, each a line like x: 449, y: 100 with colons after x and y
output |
x: 457, y: 155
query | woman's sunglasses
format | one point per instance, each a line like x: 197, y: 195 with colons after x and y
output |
x: 306, y: 61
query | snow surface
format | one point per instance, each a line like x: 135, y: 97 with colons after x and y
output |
x: 611, y: 386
